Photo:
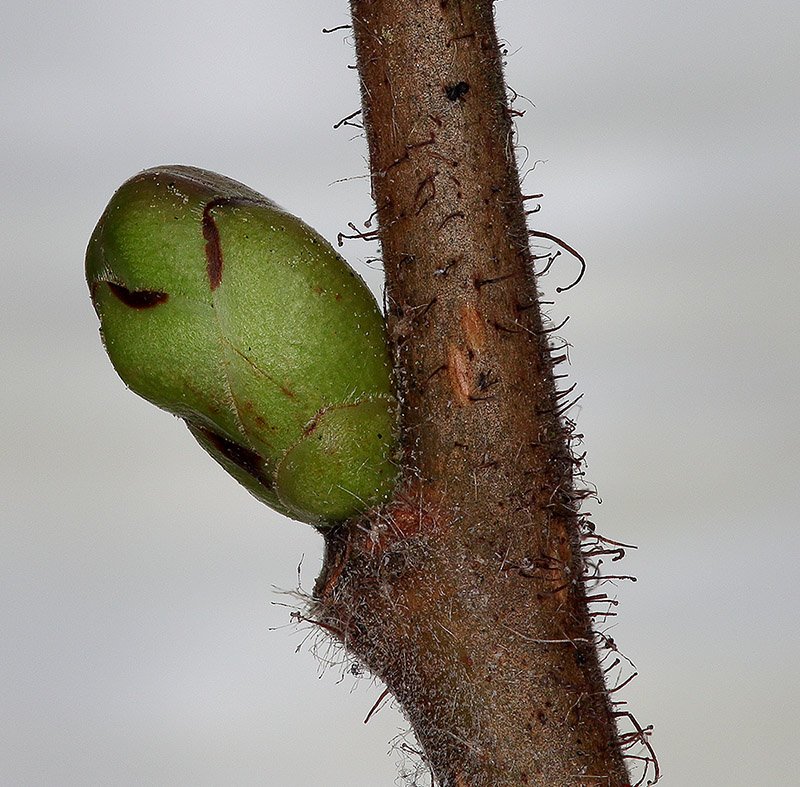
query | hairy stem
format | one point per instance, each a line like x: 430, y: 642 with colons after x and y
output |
x: 465, y: 593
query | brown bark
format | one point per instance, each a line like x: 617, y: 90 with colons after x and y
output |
x: 465, y: 593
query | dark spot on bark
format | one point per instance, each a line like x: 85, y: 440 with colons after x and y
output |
x: 244, y: 458
x: 137, y: 299
x: 457, y: 91
x: 213, y: 246
x: 395, y: 563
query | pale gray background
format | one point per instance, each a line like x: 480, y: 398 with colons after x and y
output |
x: 138, y: 583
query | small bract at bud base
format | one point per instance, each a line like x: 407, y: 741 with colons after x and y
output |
x: 219, y: 306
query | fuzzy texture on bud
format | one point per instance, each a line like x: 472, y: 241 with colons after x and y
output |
x: 219, y: 306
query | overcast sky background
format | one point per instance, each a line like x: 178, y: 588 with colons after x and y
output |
x: 143, y: 637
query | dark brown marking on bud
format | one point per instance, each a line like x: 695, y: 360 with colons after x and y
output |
x: 213, y: 246
x: 137, y: 299
x: 244, y: 458
x: 312, y: 425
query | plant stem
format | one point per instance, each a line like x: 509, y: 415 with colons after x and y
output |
x: 465, y: 594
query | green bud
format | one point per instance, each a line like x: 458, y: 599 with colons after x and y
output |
x: 218, y: 306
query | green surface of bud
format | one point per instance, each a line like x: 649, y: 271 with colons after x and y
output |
x: 222, y: 308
